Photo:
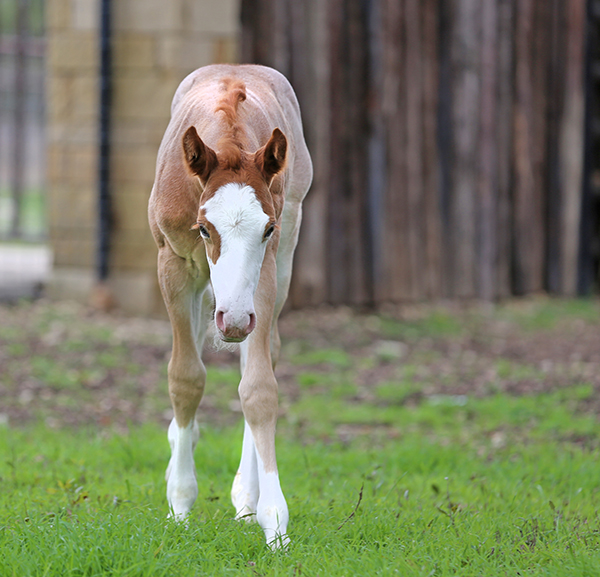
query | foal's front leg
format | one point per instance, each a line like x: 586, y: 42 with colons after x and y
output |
x: 182, y: 488
x: 258, y: 393
x: 245, y: 490
x: 187, y: 377
x: 259, y: 397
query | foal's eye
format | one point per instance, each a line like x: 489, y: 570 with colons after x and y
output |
x: 203, y: 231
x: 269, y: 231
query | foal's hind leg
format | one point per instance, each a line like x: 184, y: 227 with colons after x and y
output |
x: 187, y: 376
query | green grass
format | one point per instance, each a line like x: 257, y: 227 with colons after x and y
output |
x: 451, y: 452
x: 8, y: 17
x: 489, y: 487
x: 438, y: 322
x: 33, y: 214
x: 544, y: 315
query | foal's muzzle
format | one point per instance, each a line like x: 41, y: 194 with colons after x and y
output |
x: 234, y: 329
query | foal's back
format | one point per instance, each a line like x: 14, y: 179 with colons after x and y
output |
x: 269, y: 103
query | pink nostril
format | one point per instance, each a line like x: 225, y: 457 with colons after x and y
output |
x: 251, y: 324
x: 234, y: 330
x: 220, y: 320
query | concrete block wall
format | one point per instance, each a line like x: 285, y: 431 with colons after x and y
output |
x: 156, y: 43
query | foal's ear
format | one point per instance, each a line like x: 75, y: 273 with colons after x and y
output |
x: 270, y: 159
x: 201, y: 159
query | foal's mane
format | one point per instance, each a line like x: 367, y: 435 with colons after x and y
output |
x: 232, y: 141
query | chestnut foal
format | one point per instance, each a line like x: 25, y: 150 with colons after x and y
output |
x: 225, y: 211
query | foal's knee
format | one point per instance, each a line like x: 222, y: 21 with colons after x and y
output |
x: 259, y: 400
x: 186, y: 387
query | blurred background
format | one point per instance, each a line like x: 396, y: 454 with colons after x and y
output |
x: 455, y: 142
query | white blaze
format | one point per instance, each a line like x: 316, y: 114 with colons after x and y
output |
x: 238, y: 217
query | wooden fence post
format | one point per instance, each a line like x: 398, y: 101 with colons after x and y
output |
x: 571, y: 145
x: 504, y: 148
x: 488, y: 154
x: 309, y: 286
x: 466, y: 94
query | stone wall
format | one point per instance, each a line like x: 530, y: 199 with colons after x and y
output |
x: 155, y: 45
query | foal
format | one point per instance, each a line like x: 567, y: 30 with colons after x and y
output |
x: 225, y: 211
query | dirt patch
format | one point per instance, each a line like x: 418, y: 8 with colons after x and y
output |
x: 67, y: 365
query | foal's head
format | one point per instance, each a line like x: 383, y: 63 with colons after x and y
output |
x: 240, y: 208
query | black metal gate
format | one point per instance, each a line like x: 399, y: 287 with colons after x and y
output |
x: 22, y: 139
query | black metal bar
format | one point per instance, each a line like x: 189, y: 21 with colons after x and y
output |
x: 104, y: 202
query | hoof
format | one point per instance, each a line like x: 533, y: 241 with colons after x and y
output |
x: 274, y: 521
x: 278, y: 542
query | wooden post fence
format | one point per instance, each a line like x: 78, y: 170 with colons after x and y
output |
x: 448, y: 143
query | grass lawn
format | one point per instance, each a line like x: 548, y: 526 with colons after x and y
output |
x: 426, y: 442
x: 33, y: 217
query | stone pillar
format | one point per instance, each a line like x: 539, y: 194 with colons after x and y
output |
x: 155, y: 45
x: 72, y: 63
